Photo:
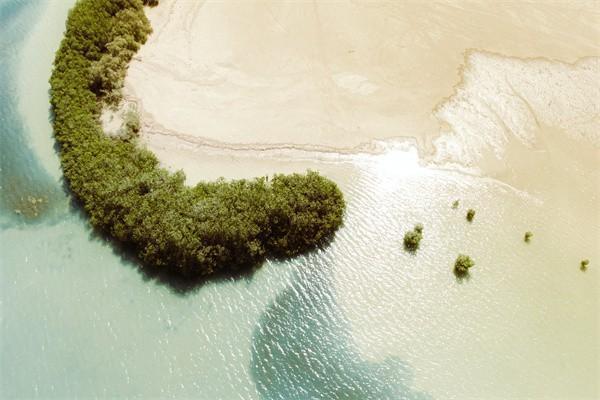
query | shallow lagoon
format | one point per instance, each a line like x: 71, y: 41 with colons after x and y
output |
x: 359, y: 319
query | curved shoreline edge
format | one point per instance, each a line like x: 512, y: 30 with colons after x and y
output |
x: 216, y: 227
x: 341, y: 80
x: 40, y: 43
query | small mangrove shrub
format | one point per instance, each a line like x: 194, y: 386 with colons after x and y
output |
x: 584, y: 264
x: 455, y: 204
x: 463, y: 263
x: 470, y: 214
x: 412, y: 239
x: 528, y: 236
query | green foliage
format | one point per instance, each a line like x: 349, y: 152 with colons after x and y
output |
x: 151, y: 3
x: 419, y: 228
x: 527, y: 237
x: 463, y: 263
x: 212, y: 227
x: 412, y: 239
x: 107, y: 74
x: 584, y: 264
x: 131, y: 125
x: 470, y: 214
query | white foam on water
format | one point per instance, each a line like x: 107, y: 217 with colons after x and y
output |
x: 504, y: 97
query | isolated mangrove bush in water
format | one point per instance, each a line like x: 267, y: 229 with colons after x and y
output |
x: 211, y: 227
x: 470, y: 214
x: 412, y: 239
x: 463, y: 263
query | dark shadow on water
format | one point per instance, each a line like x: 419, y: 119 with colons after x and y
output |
x: 461, y: 277
x: 177, y: 283
x: 29, y: 201
x: 30, y: 181
x: 29, y: 195
x: 302, y: 349
x: 410, y: 250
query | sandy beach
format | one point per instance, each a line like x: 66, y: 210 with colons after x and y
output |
x: 334, y: 77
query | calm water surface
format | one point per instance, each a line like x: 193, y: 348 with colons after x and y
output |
x: 361, y: 319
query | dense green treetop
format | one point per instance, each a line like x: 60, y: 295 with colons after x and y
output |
x: 470, y: 214
x: 412, y: 239
x: 463, y: 263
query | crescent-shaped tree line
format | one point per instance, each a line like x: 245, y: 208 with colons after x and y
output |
x: 209, y: 228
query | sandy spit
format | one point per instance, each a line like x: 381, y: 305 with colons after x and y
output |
x: 336, y: 77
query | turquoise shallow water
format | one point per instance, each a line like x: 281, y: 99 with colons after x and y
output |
x: 79, y: 320
x: 361, y: 319
x: 22, y: 173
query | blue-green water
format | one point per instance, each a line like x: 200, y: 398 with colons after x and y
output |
x: 78, y: 320
x: 23, y: 177
x: 361, y: 319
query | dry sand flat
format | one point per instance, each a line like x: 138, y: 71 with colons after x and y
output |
x: 329, y: 75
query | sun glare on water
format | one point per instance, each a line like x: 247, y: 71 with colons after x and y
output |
x: 396, y: 163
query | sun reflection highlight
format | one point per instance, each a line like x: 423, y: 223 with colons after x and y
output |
x: 398, y: 161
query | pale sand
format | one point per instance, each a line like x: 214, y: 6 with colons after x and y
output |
x: 329, y: 76
x: 112, y: 121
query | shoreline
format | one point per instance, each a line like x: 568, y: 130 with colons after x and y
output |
x: 33, y: 84
x: 208, y: 94
x: 373, y: 146
x: 129, y: 197
x: 525, y: 325
x: 489, y: 159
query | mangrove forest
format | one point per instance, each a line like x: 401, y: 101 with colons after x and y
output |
x: 204, y: 229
